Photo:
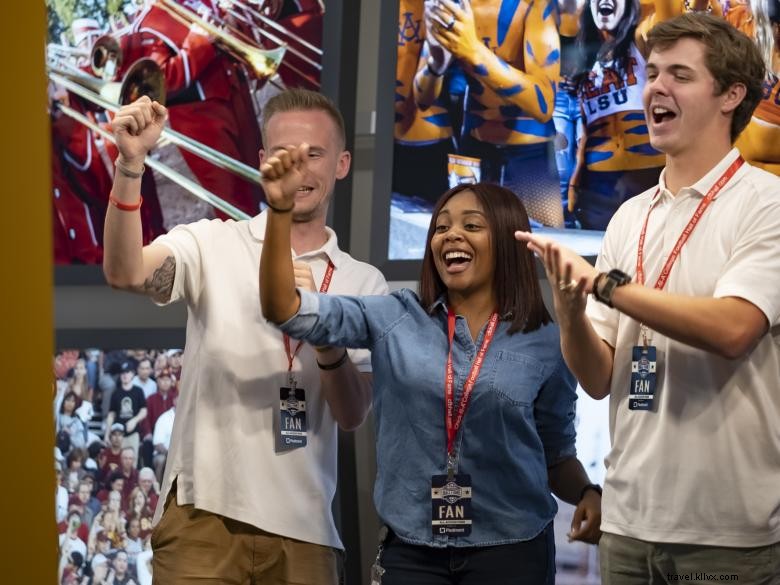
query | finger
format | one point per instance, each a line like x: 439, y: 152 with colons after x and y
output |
x: 128, y: 124
x: 554, y: 256
x: 580, y: 288
x: 283, y: 156
x: 160, y: 111
x: 140, y: 120
x: 576, y: 523
x: 277, y: 165
x: 148, y: 115
x: 303, y: 153
x: 567, y: 270
x: 454, y: 8
x: 267, y: 171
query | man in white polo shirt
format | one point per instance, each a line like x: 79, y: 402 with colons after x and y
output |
x: 253, y: 452
x: 683, y: 329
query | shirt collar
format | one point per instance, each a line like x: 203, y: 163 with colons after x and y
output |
x: 330, y: 248
x: 703, y: 185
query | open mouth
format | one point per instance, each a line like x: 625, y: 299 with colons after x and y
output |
x: 661, y: 114
x: 305, y: 189
x: 606, y: 8
x: 457, y: 260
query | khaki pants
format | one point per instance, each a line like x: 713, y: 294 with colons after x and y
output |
x: 195, y: 546
x: 628, y: 561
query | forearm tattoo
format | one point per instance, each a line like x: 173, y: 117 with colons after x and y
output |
x: 160, y: 285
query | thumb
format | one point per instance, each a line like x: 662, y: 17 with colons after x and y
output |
x: 160, y: 112
x: 576, y: 521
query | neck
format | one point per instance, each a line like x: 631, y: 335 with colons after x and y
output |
x: 685, y: 169
x: 475, y: 307
x: 308, y: 236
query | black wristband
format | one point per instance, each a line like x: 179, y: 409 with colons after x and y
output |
x: 279, y: 210
x: 337, y: 364
x: 591, y: 486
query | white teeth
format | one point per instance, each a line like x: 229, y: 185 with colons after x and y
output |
x: 306, y: 189
x: 457, y: 254
x: 658, y: 110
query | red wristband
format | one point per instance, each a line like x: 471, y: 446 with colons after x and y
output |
x: 124, y: 206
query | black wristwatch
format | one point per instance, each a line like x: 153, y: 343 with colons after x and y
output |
x: 605, y: 284
x: 591, y: 486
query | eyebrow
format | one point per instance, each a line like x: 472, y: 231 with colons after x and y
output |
x: 466, y: 212
x: 675, y: 68
x: 312, y: 148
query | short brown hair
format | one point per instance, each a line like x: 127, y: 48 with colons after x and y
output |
x: 303, y: 100
x: 515, y: 280
x: 731, y: 57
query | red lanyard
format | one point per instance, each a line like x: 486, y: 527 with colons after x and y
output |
x: 686, y: 233
x: 449, y: 380
x: 323, y: 289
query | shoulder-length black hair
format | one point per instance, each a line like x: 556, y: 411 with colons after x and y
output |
x: 515, y: 280
x: 591, y: 47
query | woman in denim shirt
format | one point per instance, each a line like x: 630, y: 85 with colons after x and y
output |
x: 469, y: 501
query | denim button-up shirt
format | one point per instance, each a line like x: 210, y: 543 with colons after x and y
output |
x: 520, y: 419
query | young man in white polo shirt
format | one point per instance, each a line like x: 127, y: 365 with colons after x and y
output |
x: 684, y: 334
x: 253, y: 451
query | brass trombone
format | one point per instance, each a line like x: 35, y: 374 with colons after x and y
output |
x: 188, y: 184
x: 264, y: 62
x: 269, y: 35
x: 256, y: 13
x: 105, y: 95
x: 106, y: 57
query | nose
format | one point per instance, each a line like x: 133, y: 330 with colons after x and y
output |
x: 453, y: 234
x: 656, y: 85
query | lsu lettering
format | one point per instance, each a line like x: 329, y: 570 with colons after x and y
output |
x: 617, y: 138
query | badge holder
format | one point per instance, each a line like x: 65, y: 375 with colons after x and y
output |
x: 451, y: 513
x: 644, y: 363
x: 291, y: 433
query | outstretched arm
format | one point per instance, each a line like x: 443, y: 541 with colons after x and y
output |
x: 728, y: 326
x: 347, y: 391
x: 127, y: 264
x: 282, y: 175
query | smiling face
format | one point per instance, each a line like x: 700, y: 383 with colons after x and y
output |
x: 684, y: 115
x: 607, y: 13
x: 461, y: 245
x: 327, y: 161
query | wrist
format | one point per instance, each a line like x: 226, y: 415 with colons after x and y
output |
x: 280, y: 210
x: 435, y: 69
x: 605, y: 284
x: 590, y: 487
x: 132, y: 168
x: 334, y: 365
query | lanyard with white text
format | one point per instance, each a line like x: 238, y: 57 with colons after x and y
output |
x: 452, y: 421
x: 686, y: 233
x: 323, y: 289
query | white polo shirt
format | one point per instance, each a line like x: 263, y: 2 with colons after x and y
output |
x: 222, y: 448
x: 704, y: 466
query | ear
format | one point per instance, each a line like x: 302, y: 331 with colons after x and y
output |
x: 342, y: 165
x: 261, y: 154
x: 732, y: 97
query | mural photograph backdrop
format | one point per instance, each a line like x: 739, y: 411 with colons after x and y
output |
x: 544, y: 98
x: 214, y: 63
x: 113, y: 415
